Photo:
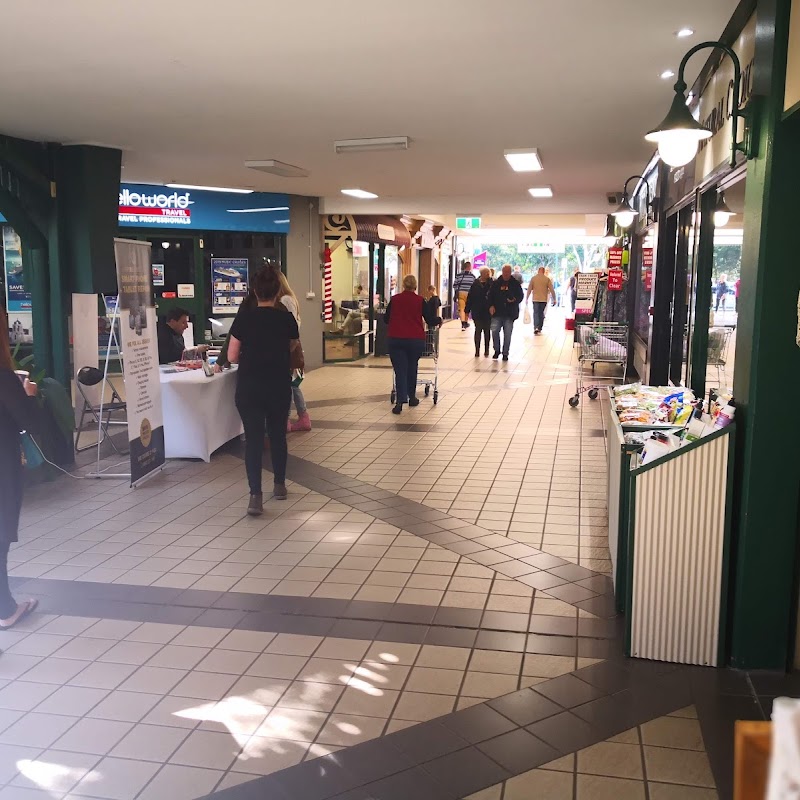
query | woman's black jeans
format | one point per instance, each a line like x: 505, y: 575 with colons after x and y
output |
x: 8, y: 605
x: 483, y: 328
x: 263, y: 412
x: 405, y: 355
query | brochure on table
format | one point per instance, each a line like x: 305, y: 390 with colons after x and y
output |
x: 137, y: 315
x: 229, y: 284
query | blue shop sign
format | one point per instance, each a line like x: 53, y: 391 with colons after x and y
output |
x: 145, y: 205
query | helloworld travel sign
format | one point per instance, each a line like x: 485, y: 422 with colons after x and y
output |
x: 147, y: 205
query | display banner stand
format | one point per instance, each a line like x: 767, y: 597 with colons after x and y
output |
x: 112, y: 342
x: 137, y: 318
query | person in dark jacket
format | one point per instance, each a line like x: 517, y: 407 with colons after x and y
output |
x: 478, y: 306
x: 405, y: 317
x: 504, y: 298
x: 18, y: 412
x: 170, y: 336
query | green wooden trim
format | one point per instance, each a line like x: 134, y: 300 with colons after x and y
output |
x: 704, y: 266
x: 725, y: 587
x: 685, y: 449
x: 629, y: 579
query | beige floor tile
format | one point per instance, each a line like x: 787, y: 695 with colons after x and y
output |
x: 347, y: 730
x: 434, y: 681
x: 311, y: 696
x: 612, y: 759
x: 487, y: 684
x: 296, y: 725
x: 547, y: 666
x: 392, y: 653
x: 681, y: 734
x: 368, y: 701
x: 593, y: 787
x: 443, y: 657
x: 678, y: 766
x: 263, y: 756
x: 210, y: 749
x: 671, y: 791
x: 116, y: 779
x: 496, y: 662
x: 422, y: 707
x: 540, y: 783
x: 150, y: 743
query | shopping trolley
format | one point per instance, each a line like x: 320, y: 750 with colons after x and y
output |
x: 600, y: 343
x: 431, y: 351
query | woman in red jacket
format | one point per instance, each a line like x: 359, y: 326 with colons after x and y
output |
x: 406, y: 316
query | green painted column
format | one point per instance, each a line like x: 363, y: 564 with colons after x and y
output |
x: 767, y: 374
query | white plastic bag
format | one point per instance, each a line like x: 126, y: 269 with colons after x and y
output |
x: 526, y: 319
x: 784, y: 768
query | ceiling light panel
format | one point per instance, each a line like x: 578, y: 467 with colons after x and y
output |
x: 541, y: 191
x: 683, y: 33
x: 359, y: 193
x: 279, y: 168
x: 524, y: 160
x: 666, y: 74
x: 209, y: 188
x: 366, y: 145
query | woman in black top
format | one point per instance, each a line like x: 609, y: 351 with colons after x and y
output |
x: 18, y: 412
x: 260, y: 342
x: 478, y: 306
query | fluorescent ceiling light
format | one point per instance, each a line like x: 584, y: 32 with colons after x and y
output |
x: 209, y: 188
x: 667, y: 73
x: 364, y: 145
x: 256, y: 210
x: 360, y: 194
x: 684, y: 32
x: 541, y: 191
x: 280, y: 221
x: 523, y: 160
x: 278, y: 168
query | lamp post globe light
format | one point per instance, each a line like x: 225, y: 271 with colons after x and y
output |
x: 722, y: 214
x: 625, y: 213
x: 679, y: 134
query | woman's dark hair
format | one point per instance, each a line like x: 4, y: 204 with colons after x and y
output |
x: 266, y: 284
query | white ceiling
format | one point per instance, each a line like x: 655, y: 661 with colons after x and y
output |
x: 190, y: 90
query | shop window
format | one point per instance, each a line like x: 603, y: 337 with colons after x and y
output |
x: 642, y: 320
x: 725, y: 289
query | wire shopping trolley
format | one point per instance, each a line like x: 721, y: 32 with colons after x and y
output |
x: 600, y: 343
x: 431, y: 351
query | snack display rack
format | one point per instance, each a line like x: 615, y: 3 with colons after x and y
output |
x: 669, y: 523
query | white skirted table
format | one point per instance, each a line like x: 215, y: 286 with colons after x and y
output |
x: 199, y: 412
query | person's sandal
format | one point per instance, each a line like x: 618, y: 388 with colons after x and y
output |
x: 24, y: 609
x: 279, y: 491
x: 256, y: 505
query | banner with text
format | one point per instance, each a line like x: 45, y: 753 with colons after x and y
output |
x: 140, y: 366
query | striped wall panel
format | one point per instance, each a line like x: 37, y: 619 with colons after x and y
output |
x: 679, y: 531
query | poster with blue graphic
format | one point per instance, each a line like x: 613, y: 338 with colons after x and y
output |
x: 229, y: 284
x: 17, y: 299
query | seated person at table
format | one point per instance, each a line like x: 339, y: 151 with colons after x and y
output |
x: 170, y: 336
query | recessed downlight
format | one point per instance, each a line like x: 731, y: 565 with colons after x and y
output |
x: 683, y: 33
x: 524, y: 160
x: 667, y: 74
x: 361, y: 194
x: 541, y: 191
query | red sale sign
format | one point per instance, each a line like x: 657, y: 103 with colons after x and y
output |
x: 614, y: 280
x: 647, y: 256
x: 614, y: 257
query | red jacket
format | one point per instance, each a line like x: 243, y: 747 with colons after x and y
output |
x: 406, y: 314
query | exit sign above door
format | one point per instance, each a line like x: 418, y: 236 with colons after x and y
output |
x: 468, y: 223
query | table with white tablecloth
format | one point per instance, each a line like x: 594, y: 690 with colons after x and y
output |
x: 199, y: 412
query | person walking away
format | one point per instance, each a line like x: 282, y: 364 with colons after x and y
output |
x: 573, y: 290
x: 541, y: 287
x: 18, y: 412
x: 261, y: 341
x: 721, y: 291
x: 461, y: 286
x: 736, y: 294
x: 433, y: 301
x: 505, y: 295
x: 405, y: 317
x: 478, y: 306
x: 289, y: 300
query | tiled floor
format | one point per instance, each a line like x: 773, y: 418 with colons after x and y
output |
x: 664, y: 759
x: 428, y: 616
